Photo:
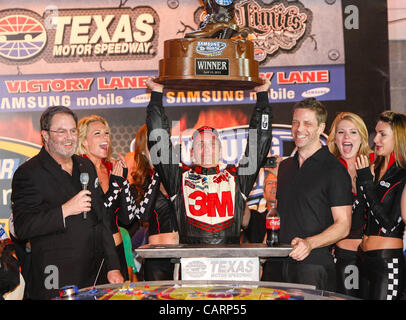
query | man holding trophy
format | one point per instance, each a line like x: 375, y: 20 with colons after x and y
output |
x: 209, y: 202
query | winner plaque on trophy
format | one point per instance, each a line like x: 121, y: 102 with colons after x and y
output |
x: 209, y: 57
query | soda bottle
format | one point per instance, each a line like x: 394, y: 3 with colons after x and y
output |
x: 273, y: 224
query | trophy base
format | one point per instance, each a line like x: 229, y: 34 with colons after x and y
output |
x: 209, y: 84
x: 207, y: 64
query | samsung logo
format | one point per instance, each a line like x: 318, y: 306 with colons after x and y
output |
x: 141, y: 98
x: 315, y: 92
x: 210, y: 48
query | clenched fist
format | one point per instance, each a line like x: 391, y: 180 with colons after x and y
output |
x: 82, y: 202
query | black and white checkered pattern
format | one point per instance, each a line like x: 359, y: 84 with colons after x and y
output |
x: 393, y: 279
x: 109, y: 202
x: 132, y: 207
x: 140, y: 210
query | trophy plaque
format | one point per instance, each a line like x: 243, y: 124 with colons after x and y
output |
x: 212, y: 56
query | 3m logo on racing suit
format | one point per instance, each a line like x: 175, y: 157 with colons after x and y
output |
x: 210, y: 206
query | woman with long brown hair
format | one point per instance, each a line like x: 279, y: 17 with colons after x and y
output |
x: 347, y: 140
x: 381, y: 258
x: 162, y: 225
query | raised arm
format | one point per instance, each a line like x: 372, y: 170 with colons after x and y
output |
x: 385, y: 212
x: 259, y: 140
x: 164, y: 158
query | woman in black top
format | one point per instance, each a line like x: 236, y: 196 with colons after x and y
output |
x: 348, y: 139
x: 162, y: 225
x: 381, y: 258
x: 95, y: 144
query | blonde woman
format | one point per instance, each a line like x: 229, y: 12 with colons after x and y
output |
x: 347, y: 140
x: 95, y: 144
x: 381, y: 258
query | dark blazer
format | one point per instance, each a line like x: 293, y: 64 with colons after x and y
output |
x: 63, y: 252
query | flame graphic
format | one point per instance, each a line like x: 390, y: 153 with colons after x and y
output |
x: 218, y: 119
x: 21, y: 129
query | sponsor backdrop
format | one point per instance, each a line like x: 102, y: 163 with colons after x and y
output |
x: 94, y: 57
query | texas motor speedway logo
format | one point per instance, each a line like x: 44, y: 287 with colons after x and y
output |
x: 22, y: 36
x: 69, y: 35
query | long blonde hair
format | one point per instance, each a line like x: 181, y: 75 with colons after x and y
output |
x: 361, y: 127
x: 83, y: 126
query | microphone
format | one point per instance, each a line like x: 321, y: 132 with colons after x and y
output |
x: 84, y: 180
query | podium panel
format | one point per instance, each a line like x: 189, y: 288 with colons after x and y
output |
x: 236, y: 262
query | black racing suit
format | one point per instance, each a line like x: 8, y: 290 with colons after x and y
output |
x: 159, y: 213
x: 209, y: 203
x: 382, y: 271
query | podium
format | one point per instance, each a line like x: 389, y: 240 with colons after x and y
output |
x: 207, y: 289
x: 228, y: 262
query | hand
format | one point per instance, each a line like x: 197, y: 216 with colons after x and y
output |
x: 114, y: 277
x: 301, y: 249
x: 363, y: 162
x: 263, y: 87
x: 118, y: 166
x: 82, y: 202
x: 151, y: 84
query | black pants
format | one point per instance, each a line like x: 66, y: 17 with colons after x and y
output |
x: 347, y: 272
x: 323, y: 277
x: 381, y: 274
x: 158, y: 269
x: 272, y: 269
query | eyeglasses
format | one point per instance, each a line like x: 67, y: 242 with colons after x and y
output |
x: 64, y: 132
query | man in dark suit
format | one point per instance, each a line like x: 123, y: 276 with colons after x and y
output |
x: 66, y: 226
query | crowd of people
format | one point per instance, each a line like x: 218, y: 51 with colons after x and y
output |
x: 76, y: 211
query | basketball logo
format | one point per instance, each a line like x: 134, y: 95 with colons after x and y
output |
x: 21, y: 37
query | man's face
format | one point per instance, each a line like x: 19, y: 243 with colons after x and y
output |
x: 269, y: 189
x: 206, y: 150
x: 61, y: 139
x: 305, y: 128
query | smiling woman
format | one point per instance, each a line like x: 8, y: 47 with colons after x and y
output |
x: 347, y: 140
x: 95, y: 144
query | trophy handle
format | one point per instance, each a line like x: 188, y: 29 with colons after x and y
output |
x: 184, y: 45
x: 240, y: 47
